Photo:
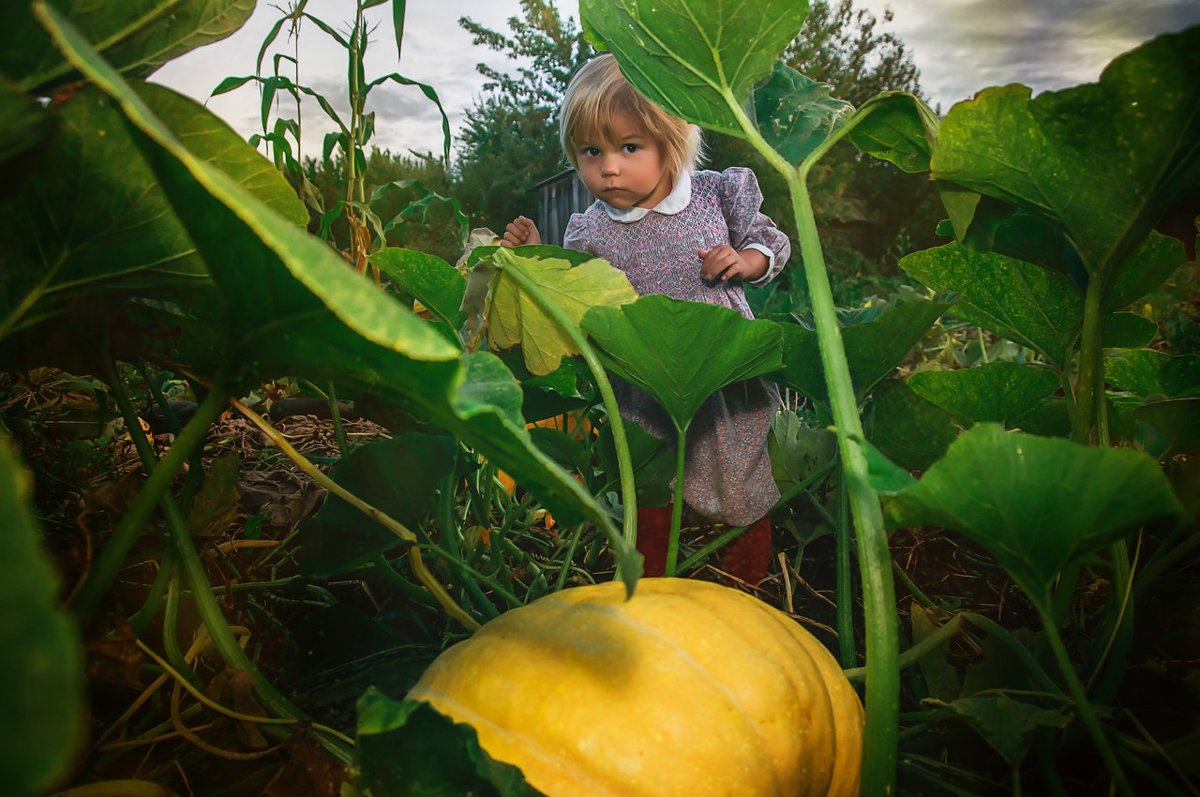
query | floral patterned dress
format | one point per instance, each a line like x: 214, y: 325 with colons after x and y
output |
x: 728, y: 476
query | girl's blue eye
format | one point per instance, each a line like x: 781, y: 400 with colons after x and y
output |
x: 630, y: 148
x: 591, y: 151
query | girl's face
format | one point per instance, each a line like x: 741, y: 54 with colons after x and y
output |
x: 625, y: 168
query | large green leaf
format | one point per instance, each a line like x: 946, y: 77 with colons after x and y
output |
x: 293, y: 307
x: 996, y: 392
x: 698, y: 60
x: 26, y: 132
x: 1155, y: 259
x: 409, y: 748
x: 1031, y: 305
x: 1127, y: 331
x: 1009, y: 726
x: 897, y: 127
x: 136, y: 36
x: 682, y: 352
x: 96, y: 222
x: 428, y: 279
x: 908, y: 429
x: 1035, y: 503
x: 1146, y: 372
x: 1103, y: 160
x: 399, y: 476
x: 42, y: 708
x: 795, y: 113
x: 515, y: 317
x: 1177, y: 420
x: 873, y: 348
x: 653, y: 464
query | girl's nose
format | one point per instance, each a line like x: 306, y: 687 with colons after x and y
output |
x: 608, y: 165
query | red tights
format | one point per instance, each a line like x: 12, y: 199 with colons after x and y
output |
x: 746, y: 558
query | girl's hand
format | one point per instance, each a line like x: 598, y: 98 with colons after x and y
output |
x: 724, y: 263
x: 520, y: 232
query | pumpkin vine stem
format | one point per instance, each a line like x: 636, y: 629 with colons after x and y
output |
x: 192, y: 569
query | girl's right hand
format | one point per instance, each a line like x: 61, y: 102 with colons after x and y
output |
x: 521, y: 232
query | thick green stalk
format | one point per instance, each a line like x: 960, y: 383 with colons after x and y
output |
x: 1089, y: 391
x: 207, y: 606
x: 879, y: 600
x: 112, y: 556
x: 677, y: 505
x: 624, y: 460
x: 843, y: 594
x: 1083, y: 707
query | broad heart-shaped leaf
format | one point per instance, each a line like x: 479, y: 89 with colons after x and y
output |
x: 997, y: 392
x: 906, y: 428
x: 95, y: 221
x: 427, y: 278
x: 26, y: 132
x: 682, y: 352
x: 398, y: 476
x: 293, y: 307
x: 410, y: 748
x: 873, y: 348
x: 1031, y: 305
x: 1035, y: 503
x: 897, y: 127
x: 1178, y: 420
x: 795, y: 113
x: 135, y: 36
x: 515, y: 317
x: 695, y: 59
x: 1103, y: 160
x: 1127, y: 331
x: 1007, y: 725
x: 1145, y: 372
x: 1150, y: 265
x: 42, y: 706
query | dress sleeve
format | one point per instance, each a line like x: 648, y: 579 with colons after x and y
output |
x: 576, y: 236
x: 749, y: 228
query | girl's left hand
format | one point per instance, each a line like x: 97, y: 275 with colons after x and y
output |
x: 725, y: 263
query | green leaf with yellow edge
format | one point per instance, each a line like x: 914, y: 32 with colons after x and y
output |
x: 698, y: 61
x: 516, y: 318
x: 998, y: 392
x: 682, y: 352
x: 1035, y: 503
x: 42, y: 704
x: 1102, y: 160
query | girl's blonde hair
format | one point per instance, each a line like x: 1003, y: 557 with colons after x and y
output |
x: 598, y: 91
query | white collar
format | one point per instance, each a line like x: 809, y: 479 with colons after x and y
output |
x: 673, y: 203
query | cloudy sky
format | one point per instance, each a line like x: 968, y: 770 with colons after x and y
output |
x: 960, y: 46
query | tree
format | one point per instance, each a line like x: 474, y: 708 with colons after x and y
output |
x: 510, y: 140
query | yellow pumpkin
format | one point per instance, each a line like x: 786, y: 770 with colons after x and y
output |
x: 689, y: 688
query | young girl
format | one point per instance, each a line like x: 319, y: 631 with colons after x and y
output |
x: 694, y: 235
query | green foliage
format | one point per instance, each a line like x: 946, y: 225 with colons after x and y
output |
x: 41, y: 677
x: 409, y: 748
x: 1037, y: 504
x: 653, y: 343
x: 994, y: 393
x: 398, y: 477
